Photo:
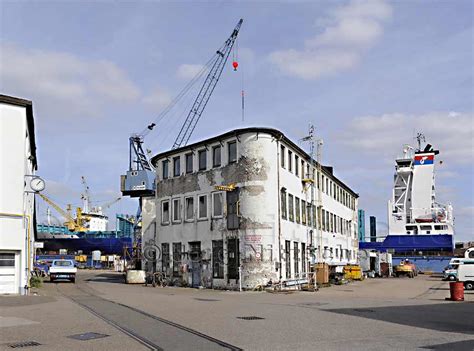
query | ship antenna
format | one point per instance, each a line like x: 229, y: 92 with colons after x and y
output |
x: 420, y: 137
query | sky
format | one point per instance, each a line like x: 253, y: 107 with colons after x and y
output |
x: 368, y: 75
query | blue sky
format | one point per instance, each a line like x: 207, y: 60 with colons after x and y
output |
x: 368, y: 75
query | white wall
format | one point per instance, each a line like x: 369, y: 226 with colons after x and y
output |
x: 14, y: 165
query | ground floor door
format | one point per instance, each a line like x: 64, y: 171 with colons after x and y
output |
x: 195, y: 256
x: 9, y: 273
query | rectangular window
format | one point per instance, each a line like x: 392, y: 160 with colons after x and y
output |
x: 232, y: 151
x: 291, y: 214
x: 233, y: 220
x: 298, y: 210
x: 303, y: 212
x: 297, y: 173
x: 302, y: 169
x: 233, y: 258
x: 165, y: 257
x: 218, y: 259
x: 165, y: 212
x: 217, y: 205
x: 216, y: 156
x: 290, y: 161
x: 176, y: 166
x: 287, y: 258
x: 202, y: 207
x: 176, y: 210
x: 303, y: 258
x: 165, y: 169
x: 189, y: 163
x: 284, y: 214
x: 176, y: 259
x: 324, y: 220
x: 202, y: 160
x: 189, y: 203
x: 282, y: 156
x: 7, y: 260
x: 296, y: 258
x: 327, y: 186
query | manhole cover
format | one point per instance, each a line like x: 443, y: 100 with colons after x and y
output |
x: 24, y: 344
x: 210, y: 300
x: 250, y: 318
x: 87, y: 336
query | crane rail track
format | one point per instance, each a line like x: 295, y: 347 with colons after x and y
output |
x: 129, y: 332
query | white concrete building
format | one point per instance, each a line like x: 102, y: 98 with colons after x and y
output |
x: 243, y: 199
x: 17, y: 207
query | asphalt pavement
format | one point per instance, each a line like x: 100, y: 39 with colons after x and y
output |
x: 375, y: 314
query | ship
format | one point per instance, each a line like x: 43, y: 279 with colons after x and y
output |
x: 417, y: 223
x: 87, y: 231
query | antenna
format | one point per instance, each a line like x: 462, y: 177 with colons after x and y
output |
x: 420, y: 137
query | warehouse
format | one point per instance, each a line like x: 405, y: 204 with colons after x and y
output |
x: 18, y: 164
x: 241, y: 209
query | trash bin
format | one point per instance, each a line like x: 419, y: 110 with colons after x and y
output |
x: 456, y: 290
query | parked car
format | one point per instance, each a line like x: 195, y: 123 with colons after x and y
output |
x: 450, y: 272
x: 62, y: 269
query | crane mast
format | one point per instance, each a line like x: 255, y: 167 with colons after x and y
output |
x: 140, y: 178
x: 206, y: 90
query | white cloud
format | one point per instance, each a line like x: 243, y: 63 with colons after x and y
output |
x: 64, y: 80
x: 188, y: 71
x: 347, y: 34
x: 451, y: 133
x: 157, y: 99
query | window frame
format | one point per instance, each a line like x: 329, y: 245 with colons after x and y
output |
x: 186, y: 218
x: 297, y: 170
x: 221, y: 193
x: 290, y: 161
x: 163, y: 222
x: 173, y: 201
x: 189, y: 156
x: 291, y: 208
x: 297, y: 210
x: 176, y: 162
x: 283, y: 204
x: 199, y: 218
x: 282, y: 156
x: 165, y: 165
x: 202, y: 152
x: 229, y: 159
x: 214, y: 149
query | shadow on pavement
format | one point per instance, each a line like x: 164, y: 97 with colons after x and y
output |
x: 466, y: 345
x: 447, y: 317
x: 107, y: 278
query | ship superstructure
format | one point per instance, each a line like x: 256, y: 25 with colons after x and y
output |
x: 417, y: 223
x: 413, y: 209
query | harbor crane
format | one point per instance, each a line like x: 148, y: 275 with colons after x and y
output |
x: 72, y: 224
x: 140, y: 178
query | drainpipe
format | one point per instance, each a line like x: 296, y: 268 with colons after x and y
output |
x: 279, y: 207
x: 28, y: 243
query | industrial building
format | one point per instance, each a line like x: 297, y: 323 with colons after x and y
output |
x: 245, y: 208
x: 18, y: 164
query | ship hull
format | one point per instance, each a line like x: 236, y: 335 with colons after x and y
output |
x: 108, y: 246
x: 410, y: 244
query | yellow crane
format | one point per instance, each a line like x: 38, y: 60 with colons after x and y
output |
x: 73, y: 224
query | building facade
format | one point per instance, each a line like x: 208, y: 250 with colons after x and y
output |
x: 17, y: 207
x: 244, y: 208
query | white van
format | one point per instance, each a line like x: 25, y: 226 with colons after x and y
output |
x: 465, y: 274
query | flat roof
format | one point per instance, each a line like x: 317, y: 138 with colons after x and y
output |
x: 235, y: 132
x: 11, y: 100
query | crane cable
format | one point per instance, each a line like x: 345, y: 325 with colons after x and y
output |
x: 180, y: 95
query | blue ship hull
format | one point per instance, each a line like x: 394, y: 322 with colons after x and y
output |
x: 412, y: 244
x: 107, y: 246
